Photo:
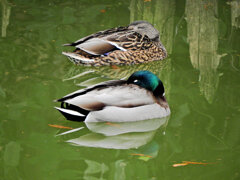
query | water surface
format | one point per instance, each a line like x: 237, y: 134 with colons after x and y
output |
x: 201, y: 78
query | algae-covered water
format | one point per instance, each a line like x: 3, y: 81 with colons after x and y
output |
x: 201, y: 76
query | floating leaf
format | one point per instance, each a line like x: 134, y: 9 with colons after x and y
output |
x: 184, y: 163
x: 59, y: 126
x: 143, y: 155
x: 180, y: 164
x: 144, y: 158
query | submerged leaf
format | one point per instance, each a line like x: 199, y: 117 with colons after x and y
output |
x: 102, y: 10
x: 115, y: 67
x: 143, y: 157
x: 112, y: 124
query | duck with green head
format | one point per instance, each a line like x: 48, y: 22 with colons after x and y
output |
x: 139, y: 42
x: 140, y: 97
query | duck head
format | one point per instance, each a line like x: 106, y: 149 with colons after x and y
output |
x: 145, y: 28
x: 149, y: 81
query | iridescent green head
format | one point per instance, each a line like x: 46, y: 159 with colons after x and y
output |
x: 147, y: 80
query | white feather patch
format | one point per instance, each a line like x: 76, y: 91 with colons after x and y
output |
x: 98, y: 46
x: 74, y: 56
x: 71, y: 112
x: 116, y: 45
x: 115, y: 96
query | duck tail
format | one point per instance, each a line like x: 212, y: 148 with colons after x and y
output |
x: 72, y: 113
x: 78, y: 59
x: 70, y: 44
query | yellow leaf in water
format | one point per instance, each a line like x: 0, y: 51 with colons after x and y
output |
x: 184, y: 163
x: 134, y: 154
x: 180, y: 164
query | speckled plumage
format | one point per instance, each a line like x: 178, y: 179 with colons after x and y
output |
x: 137, y: 43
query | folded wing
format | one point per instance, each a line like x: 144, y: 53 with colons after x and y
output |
x: 121, y: 95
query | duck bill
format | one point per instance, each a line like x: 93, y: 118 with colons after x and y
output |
x: 163, y: 102
x: 163, y: 98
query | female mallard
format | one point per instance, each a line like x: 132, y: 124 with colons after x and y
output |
x: 136, y: 43
x: 140, y: 97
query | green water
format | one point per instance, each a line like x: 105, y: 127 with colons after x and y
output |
x: 201, y: 78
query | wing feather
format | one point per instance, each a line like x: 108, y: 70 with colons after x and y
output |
x: 90, y: 88
x: 96, y: 46
x: 98, y: 34
x: 121, y: 96
x: 105, y: 43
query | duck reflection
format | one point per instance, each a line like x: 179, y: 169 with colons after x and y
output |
x: 125, y: 135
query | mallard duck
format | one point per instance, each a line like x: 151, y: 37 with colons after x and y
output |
x: 140, y: 97
x: 136, y: 43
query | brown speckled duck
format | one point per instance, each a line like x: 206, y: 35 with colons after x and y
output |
x: 136, y: 43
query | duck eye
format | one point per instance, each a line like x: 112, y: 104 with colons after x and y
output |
x: 135, y: 81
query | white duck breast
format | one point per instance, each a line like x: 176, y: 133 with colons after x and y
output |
x: 120, y: 96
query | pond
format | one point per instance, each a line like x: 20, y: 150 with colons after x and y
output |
x: 200, y: 139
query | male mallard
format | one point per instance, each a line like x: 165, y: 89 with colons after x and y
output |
x: 140, y: 97
x: 136, y: 43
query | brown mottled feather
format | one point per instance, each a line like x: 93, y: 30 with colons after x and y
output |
x: 136, y: 48
x: 119, y: 57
